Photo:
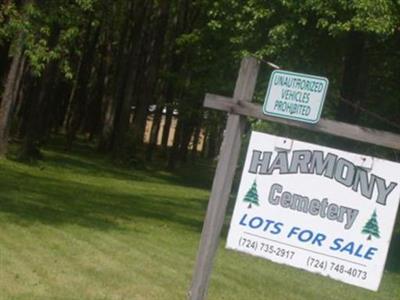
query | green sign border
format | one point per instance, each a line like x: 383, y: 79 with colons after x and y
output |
x: 298, y: 75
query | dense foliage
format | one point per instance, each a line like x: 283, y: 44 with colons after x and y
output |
x: 94, y: 67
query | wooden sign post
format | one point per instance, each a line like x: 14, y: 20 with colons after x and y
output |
x: 222, y: 183
x: 238, y: 108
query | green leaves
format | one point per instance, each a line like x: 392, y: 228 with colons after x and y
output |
x: 86, y: 5
x: 50, y: 32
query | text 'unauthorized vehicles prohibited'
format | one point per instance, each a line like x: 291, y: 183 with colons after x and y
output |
x: 295, y: 96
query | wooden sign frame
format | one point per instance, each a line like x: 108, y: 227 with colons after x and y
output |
x: 238, y: 109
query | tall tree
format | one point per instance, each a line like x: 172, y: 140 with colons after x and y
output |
x: 11, y: 88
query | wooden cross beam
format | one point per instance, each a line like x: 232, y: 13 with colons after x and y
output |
x: 353, y: 132
x: 222, y: 184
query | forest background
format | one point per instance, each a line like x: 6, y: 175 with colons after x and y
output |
x: 98, y: 69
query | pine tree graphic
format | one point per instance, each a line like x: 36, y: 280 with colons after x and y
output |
x: 252, y: 195
x: 372, y: 228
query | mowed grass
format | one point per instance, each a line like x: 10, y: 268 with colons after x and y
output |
x: 76, y: 227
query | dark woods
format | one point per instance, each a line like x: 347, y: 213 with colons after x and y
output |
x: 130, y: 76
x: 104, y: 70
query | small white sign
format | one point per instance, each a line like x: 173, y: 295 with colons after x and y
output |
x: 316, y: 208
x: 295, y: 96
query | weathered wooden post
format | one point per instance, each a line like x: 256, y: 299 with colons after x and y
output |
x: 222, y: 184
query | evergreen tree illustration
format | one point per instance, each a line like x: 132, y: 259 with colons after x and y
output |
x: 252, y: 195
x: 371, y: 227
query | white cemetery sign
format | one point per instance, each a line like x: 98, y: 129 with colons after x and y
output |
x: 295, y: 96
x: 349, y: 261
x: 316, y: 208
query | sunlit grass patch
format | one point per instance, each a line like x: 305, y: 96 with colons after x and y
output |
x: 75, y: 226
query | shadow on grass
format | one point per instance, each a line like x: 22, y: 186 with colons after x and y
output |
x: 197, y: 174
x: 26, y: 200
x: 393, y: 261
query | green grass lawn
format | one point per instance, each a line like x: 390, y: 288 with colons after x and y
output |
x: 76, y: 227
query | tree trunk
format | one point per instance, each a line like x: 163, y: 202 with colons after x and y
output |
x: 9, y: 96
x: 35, y: 130
x: 149, y: 89
x: 212, y: 140
x: 61, y: 94
x: 124, y: 111
x: 29, y: 93
x: 121, y: 139
x: 141, y: 93
x: 196, y: 140
x: 115, y: 80
x: 4, y: 61
x: 155, y: 128
x: 93, y: 116
x: 205, y: 143
x: 79, y: 93
x: 173, y: 154
x: 167, y: 127
x: 354, y: 78
x: 54, y: 101
x: 40, y: 105
x: 187, y: 132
